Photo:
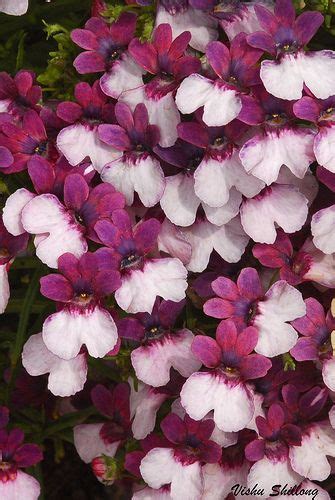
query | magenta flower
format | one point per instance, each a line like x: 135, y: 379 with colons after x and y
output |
x: 82, y: 319
x: 235, y: 72
x: 181, y: 463
x: 162, y: 346
x: 143, y: 278
x: 19, y: 94
x: 284, y: 37
x: 224, y: 388
x: 136, y: 169
x: 247, y: 305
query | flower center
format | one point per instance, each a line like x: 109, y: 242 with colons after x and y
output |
x: 175, y: 6
x: 154, y: 332
x: 4, y: 466
x: 84, y: 298
x: 328, y: 114
x: 4, y: 253
x: 129, y: 261
x: 41, y: 148
x: 276, y: 119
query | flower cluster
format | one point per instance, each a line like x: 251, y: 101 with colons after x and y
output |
x: 182, y: 209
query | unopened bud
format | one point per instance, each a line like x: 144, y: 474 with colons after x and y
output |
x: 105, y: 469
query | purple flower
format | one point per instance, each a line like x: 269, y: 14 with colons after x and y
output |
x: 19, y: 94
x: 235, y: 72
x: 284, y: 37
x: 224, y: 387
x: 162, y: 346
x: 181, y: 463
x: 143, y: 278
x: 81, y: 319
x: 137, y: 169
x: 246, y: 304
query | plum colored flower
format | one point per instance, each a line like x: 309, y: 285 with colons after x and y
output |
x: 165, y: 59
x: 66, y: 377
x: 315, y: 342
x: 26, y: 144
x: 15, y: 455
x: 284, y: 37
x: 17, y: 8
x: 182, y: 16
x: 105, y: 50
x: 322, y: 114
x: 247, y: 305
x: 280, y: 205
x: 142, y: 277
x: 239, y: 17
x: 19, y: 94
x: 162, y: 346
x: 64, y: 228
x: 307, y: 264
x: 235, y: 72
x: 181, y: 463
x: 279, y: 138
x: 80, y: 138
x: 220, y: 169
x: 82, y: 319
x: 136, y: 169
x: 10, y: 246
x: 224, y: 388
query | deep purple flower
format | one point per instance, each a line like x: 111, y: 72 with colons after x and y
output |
x: 19, y: 94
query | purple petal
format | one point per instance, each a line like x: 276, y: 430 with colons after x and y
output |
x: 124, y: 116
x: 42, y: 174
x: 179, y: 45
x: 263, y: 41
x: 276, y: 416
x: 174, y: 428
x: 249, y: 284
x: 254, y: 366
x: 89, y: 62
x: 33, y: 123
x: 252, y: 112
x: 254, y: 451
x: 131, y: 328
x: 85, y: 39
x: 243, y: 56
x: 246, y: 341
x: 68, y: 111
x: 68, y: 266
x: 210, y: 452
x: 141, y: 118
x: 225, y: 288
x: 219, y: 58
x: 6, y: 158
x: 28, y: 455
x: 115, y: 136
x: 314, y: 318
x: 305, y: 349
x: 4, y: 416
x: 207, y: 350
x: 185, y: 66
x: 307, y: 108
x: 56, y: 287
x: 146, y: 234
x: 226, y: 335
x: 14, y: 439
x: 203, y: 429
x: 218, y: 308
x: 312, y: 402
x: 266, y: 19
x: 292, y: 434
x: 306, y: 25
x: 162, y: 38
x: 169, y: 311
x: 76, y: 191
x: 276, y: 255
x: 106, y: 282
x: 145, y: 55
x: 194, y: 133
x: 107, y: 232
x: 123, y: 29
x: 285, y: 12
x: 102, y: 399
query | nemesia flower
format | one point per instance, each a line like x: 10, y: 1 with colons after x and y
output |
x: 136, y: 170
x: 247, y: 305
x: 235, y: 72
x: 106, y: 51
x: 60, y: 229
x: 279, y: 139
x: 322, y: 224
x: 142, y: 278
x: 14, y: 483
x: 284, y: 37
x: 26, y: 144
x: 181, y: 463
x: 181, y: 16
x: 10, y: 246
x: 80, y: 138
x: 66, y: 377
x: 239, y: 17
x: 81, y: 319
x: 308, y: 263
x: 165, y: 59
x: 225, y: 387
x: 19, y: 94
x: 162, y: 345
x: 322, y: 114
x: 17, y: 8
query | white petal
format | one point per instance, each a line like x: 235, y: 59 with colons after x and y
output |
x: 64, y: 332
x: 89, y: 444
x: 12, y: 210
x: 324, y: 147
x: 193, y: 93
x: 119, y: 173
x: 282, y: 303
x: 228, y: 240
x: 44, y: 215
x: 172, y: 241
x: 283, y: 79
x: 4, y: 288
x: 22, y: 487
x: 79, y: 141
x: 144, y: 404
x: 310, y: 459
x: 280, y: 204
x: 266, y: 473
x: 322, y: 228
x: 219, y: 480
x: 232, y: 404
x: 263, y: 155
x: 125, y: 74
x: 179, y: 201
x: 308, y: 186
x: 160, y: 277
x: 225, y: 213
x: 328, y: 373
x: 318, y: 70
x: 152, y: 362
x: 14, y: 7
x: 151, y: 494
x: 321, y: 266
x: 149, y: 181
